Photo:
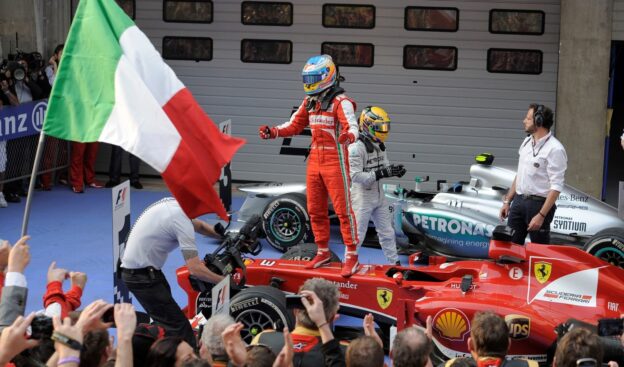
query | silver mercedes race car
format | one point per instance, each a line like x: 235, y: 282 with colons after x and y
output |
x: 455, y: 220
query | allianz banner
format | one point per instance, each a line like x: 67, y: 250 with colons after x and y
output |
x: 23, y: 120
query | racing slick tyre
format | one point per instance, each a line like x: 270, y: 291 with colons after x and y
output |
x: 306, y: 252
x: 260, y: 308
x: 608, y: 245
x: 286, y: 221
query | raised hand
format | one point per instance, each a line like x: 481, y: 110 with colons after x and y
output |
x: 56, y: 274
x: 13, y: 339
x: 91, y: 317
x: 125, y: 320
x: 19, y: 256
x: 78, y: 279
x: 286, y: 355
x: 267, y: 132
x: 369, y: 328
x: 234, y: 344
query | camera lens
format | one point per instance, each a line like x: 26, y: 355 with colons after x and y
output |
x: 19, y: 74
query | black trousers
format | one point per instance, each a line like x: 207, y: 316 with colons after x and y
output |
x: 114, y: 170
x: 151, y: 289
x: 520, y: 214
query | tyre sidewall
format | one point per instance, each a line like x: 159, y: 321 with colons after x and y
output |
x: 256, y: 301
x: 604, y: 243
x: 273, y: 209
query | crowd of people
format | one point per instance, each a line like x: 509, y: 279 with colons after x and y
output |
x: 61, y: 335
x: 346, y: 162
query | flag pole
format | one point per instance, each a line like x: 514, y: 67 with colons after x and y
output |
x: 31, y: 185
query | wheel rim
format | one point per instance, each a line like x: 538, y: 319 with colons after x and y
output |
x: 611, y: 255
x: 285, y: 224
x: 254, y: 321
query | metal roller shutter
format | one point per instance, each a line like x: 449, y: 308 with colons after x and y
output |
x: 441, y: 119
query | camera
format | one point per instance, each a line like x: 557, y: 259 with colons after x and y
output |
x: 227, y: 258
x: 109, y: 316
x: 41, y: 327
x: 610, y: 327
x: 294, y: 301
x: 14, y: 70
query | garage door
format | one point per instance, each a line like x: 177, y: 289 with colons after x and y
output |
x: 456, y: 77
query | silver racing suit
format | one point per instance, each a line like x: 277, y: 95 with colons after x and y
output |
x: 367, y: 195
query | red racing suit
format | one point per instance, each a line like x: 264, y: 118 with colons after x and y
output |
x: 328, y: 164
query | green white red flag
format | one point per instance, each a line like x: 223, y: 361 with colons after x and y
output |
x: 113, y: 86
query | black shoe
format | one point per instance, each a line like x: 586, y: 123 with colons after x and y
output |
x: 12, y: 198
x: 111, y: 183
x: 137, y: 185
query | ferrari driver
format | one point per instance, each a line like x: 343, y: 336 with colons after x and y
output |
x: 369, y: 163
x: 331, y: 117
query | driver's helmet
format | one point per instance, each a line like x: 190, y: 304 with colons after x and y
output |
x: 319, y: 73
x: 375, y: 123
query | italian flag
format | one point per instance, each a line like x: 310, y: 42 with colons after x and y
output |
x: 113, y: 86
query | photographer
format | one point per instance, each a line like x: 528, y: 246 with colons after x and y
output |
x: 3, y: 157
x: 577, y: 345
x: 312, y: 337
x: 596, y: 344
x: 53, y: 64
x: 160, y: 229
x: 21, y: 88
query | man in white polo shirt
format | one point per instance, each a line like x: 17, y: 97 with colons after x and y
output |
x: 160, y: 229
x: 541, y: 168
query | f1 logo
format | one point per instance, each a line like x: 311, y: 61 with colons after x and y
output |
x: 121, y: 196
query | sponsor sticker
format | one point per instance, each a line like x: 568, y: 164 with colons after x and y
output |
x: 542, y: 271
x: 569, y: 225
x: 267, y: 263
x: 519, y: 326
x: 384, y: 297
x: 244, y: 304
x: 345, y: 285
x: 458, y: 286
x: 516, y: 273
x: 452, y: 324
x: 613, y: 306
x: 553, y: 281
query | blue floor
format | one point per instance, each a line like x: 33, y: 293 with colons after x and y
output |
x: 75, y: 230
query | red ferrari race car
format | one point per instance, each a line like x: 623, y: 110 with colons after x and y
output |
x: 534, y: 287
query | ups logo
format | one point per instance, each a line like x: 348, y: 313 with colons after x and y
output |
x: 519, y: 326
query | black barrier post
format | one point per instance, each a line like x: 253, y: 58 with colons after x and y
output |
x: 31, y: 185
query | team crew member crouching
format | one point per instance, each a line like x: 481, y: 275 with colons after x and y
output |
x: 160, y: 229
x: 541, y: 169
x: 368, y: 164
x: 331, y: 117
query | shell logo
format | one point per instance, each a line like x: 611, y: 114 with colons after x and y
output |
x: 452, y: 324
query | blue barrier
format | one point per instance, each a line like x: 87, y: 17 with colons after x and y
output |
x: 23, y: 120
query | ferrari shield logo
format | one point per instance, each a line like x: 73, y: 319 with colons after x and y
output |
x: 542, y: 271
x: 384, y: 297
